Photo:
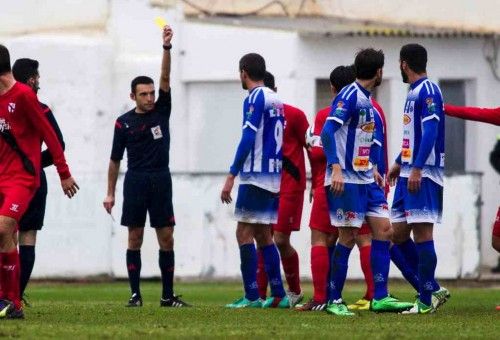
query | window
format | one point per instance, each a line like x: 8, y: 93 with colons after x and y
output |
x: 454, y: 93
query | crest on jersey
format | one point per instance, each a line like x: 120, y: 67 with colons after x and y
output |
x: 11, y: 107
x: 340, y: 104
x: 156, y: 131
x: 250, y: 112
x: 431, y: 106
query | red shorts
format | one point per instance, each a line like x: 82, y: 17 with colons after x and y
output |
x: 365, y: 229
x: 496, y: 227
x: 15, y: 197
x: 289, y: 212
x: 320, y: 214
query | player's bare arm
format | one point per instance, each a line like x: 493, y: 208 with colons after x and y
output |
x: 378, y: 178
x: 225, y: 195
x: 165, y: 63
x: 394, y: 174
x: 113, y: 170
x: 337, y: 186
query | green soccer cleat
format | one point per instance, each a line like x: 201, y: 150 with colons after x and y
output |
x: 338, y: 307
x: 419, y: 308
x: 439, y: 297
x: 276, y: 302
x: 245, y: 303
x: 390, y: 305
x: 5, y: 307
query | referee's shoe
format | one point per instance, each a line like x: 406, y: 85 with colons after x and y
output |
x: 174, y: 301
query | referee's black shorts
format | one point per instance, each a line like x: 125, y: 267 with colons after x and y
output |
x: 34, y: 216
x: 147, y: 192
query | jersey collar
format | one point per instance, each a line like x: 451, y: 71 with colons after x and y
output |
x: 418, y: 82
x: 365, y: 91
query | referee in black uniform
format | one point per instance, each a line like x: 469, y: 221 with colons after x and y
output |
x: 26, y: 71
x: 144, y: 133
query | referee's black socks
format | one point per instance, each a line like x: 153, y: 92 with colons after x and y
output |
x: 167, y: 265
x: 27, y: 261
x: 134, y: 270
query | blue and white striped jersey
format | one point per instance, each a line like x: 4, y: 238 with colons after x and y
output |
x: 259, y: 157
x: 424, y: 102
x: 353, y: 110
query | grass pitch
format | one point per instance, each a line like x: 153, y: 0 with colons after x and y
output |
x: 96, y: 310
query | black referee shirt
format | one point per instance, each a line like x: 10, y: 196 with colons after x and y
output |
x: 145, y: 136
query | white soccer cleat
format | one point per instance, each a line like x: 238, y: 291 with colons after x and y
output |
x: 294, y: 298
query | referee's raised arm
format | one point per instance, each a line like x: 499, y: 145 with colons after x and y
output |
x: 165, y: 63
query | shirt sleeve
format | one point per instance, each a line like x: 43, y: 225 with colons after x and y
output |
x: 164, y: 103
x: 49, y: 137
x: 46, y: 156
x: 478, y: 114
x: 253, y: 110
x: 118, y: 142
x: 431, y: 102
x: 378, y: 144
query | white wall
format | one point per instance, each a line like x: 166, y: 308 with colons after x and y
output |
x: 85, y: 79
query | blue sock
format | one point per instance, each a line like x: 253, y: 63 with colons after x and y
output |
x: 427, y: 261
x: 331, y: 250
x: 273, y: 270
x: 248, y: 257
x: 380, y: 261
x: 338, y: 271
x: 409, y: 250
x: 400, y: 261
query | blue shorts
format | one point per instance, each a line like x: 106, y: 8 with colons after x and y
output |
x: 357, y: 201
x: 256, y: 205
x: 425, y: 206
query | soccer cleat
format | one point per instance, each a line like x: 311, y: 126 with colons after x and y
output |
x: 294, y: 298
x: 338, y: 307
x: 174, y: 301
x: 419, y: 308
x: 276, y: 302
x: 311, y: 305
x: 245, y: 303
x: 5, y: 307
x: 361, y: 304
x: 439, y: 297
x: 134, y: 301
x: 390, y: 305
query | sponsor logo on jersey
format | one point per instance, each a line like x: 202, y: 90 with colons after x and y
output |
x: 11, y: 107
x: 156, y: 131
x: 14, y: 207
x: 362, y: 112
x: 364, y: 151
x: 368, y: 127
x: 406, y: 119
x: 4, y: 126
x: 431, y: 107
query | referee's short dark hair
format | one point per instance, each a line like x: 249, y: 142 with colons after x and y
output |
x: 367, y: 62
x: 415, y: 56
x: 24, y: 69
x: 140, y: 80
x: 254, y: 65
x: 4, y: 60
x: 342, y: 76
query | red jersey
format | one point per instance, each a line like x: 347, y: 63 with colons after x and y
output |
x: 479, y: 114
x: 293, y: 176
x: 22, y: 115
x: 317, y: 155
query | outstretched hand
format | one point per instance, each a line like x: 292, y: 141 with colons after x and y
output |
x: 167, y: 35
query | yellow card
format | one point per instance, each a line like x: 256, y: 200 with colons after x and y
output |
x: 160, y: 22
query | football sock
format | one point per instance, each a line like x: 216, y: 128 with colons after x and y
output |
x: 166, y: 260
x: 248, y: 257
x: 9, y: 276
x: 365, y: 259
x: 380, y: 260
x: 319, y: 269
x: 261, y: 275
x: 400, y: 261
x: 427, y: 261
x: 27, y: 261
x: 409, y: 250
x: 331, y: 250
x: 134, y: 270
x: 338, y: 271
x: 291, y: 269
x: 272, y: 265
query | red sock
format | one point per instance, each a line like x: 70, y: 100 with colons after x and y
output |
x: 291, y: 269
x: 261, y: 275
x: 364, y: 256
x: 2, y: 296
x: 9, y: 274
x: 320, y: 264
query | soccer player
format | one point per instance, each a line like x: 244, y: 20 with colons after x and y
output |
x: 26, y: 71
x: 23, y: 125
x: 144, y: 133
x: 291, y: 200
x: 418, y: 199
x: 348, y: 142
x: 323, y: 234
x: 258, y: 161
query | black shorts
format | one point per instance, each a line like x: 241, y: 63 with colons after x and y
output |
x: 147, y: 192
x: 34, y: 216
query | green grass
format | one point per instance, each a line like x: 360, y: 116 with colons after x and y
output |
x: 96, y: 310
